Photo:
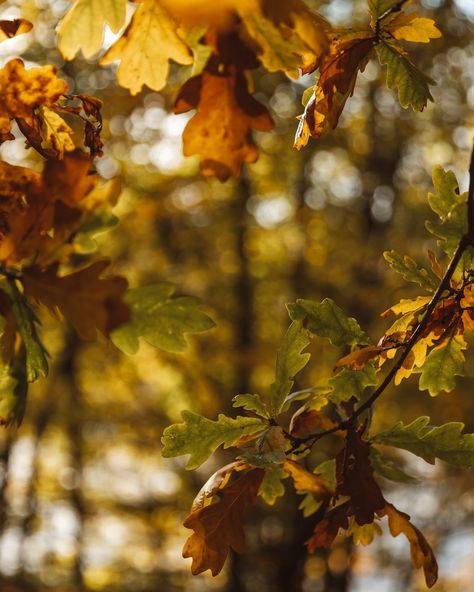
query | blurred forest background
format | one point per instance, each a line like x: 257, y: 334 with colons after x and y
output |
x: 89, y: 504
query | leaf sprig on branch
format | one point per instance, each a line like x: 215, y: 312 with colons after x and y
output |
x: 428, y: 339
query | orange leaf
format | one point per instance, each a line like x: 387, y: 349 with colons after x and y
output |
x: 226, y: 112
x: 328, y: 528
x: 306, y: 482
x: 88, y: 302
x: 338, y: 73
x: 218, y: 527
x: 359, y: 358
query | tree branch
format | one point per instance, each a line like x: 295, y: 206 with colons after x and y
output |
x: 466, y: 241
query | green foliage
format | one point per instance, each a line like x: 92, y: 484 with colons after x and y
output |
x: 289, y: 362
x: 26, y: 321
x: 445, y: 442
x: 412, y: 85
x: 251, y: 403
x: 160, y: 319
x: 199, y: 437
x: 410, y: 271
x: 13, y: 389
x: 442, y: 365
x: 387, y: 468
x: 272, y: 487
x: 351, y: 383
x: 326, y: 319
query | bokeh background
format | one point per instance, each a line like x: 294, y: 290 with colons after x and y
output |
x: 86, y: 501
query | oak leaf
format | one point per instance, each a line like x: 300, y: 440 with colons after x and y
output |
x: 220, y: 131
x: 218, y: 527
x: 22, y: 91
x: 90, y: 303
x: 420, y: 551
x: 412, y: 27
x: 82, y: 28
x: 145, y: 48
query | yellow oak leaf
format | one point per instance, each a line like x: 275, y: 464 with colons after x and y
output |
x: 144, y: 50
x: 412, y: 27
x: 82, y: 28
x: 55, y: 131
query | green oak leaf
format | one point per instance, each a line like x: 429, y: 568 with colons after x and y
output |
x: 442, y: 365
x: 272, y: 487
x: 411, y: 83
x: 200, y: 437
x: 290, y: 360
x: 445, y: 442
x: 36, y: 361
x: 446, y: 195
x: 326, y: 319
x: 450, y: 230
x: 385, y: 467
x: 410, y: 271
x: 351, y: 383
x: 327, y: 471
x: 13, y: 390
x: 159, y: 319
x: 251, y: 403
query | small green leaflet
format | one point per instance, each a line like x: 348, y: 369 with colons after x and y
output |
x: 446, y: 195
x: 289, y: 362
x: 13, y: 390
x: 410, y: 271
x: 36, y: 360
x: 412, y: 85
x: 272, y: 487
x: 251, y: 403
x: 445, y: 442
x: 351, y: 383
x: 200, y: 437
x: 326, y: 319
x: 450, y: 231
x: 385, y: 467
x: 442, y: 365
x: 159, y: 319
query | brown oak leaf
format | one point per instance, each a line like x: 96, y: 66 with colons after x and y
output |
x: 90, y: 303
x: 218, y: 526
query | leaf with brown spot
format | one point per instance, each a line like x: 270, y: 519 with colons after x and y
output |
x: 218, y: 526
x: 90, y: 303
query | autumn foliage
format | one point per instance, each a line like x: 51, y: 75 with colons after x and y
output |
x: 48, y: 257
